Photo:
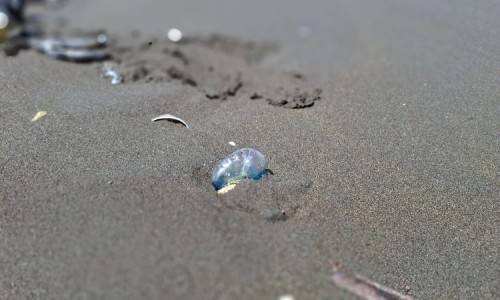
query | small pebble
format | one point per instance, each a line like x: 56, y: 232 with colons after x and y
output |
x: 4, y: 20
x: 174, y: 35
x: 102, y: 38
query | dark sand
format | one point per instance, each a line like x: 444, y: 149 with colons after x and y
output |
x: 395, y: 171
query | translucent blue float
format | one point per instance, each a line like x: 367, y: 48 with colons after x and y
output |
x: 242, y: 163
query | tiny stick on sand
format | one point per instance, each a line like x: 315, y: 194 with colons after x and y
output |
x: 363, y: 287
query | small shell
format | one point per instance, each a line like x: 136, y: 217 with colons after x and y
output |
x: 242, y: 163
x: 170, y: 118
x: 39, y: 115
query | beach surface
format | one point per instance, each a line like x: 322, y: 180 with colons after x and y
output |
x: 379, y: 119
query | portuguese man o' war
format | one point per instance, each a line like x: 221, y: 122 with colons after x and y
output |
x: 242, y: 163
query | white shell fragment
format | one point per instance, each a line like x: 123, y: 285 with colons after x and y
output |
x: 170, y: 118
x: 110, y: 72
x: 228, y: 187
x: 39, y: 115
x: 232, y: 144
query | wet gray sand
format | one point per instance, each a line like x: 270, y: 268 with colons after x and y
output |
x: 394, y: 171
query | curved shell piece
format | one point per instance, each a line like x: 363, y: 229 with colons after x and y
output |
x: 170, y: 118
x: 242, y: 163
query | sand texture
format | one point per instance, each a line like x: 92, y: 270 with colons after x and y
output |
x: 379, y: 119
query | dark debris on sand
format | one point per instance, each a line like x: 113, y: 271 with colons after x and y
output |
x: 218, y: 65
x: 297, y: 99
x: 221, y: 67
